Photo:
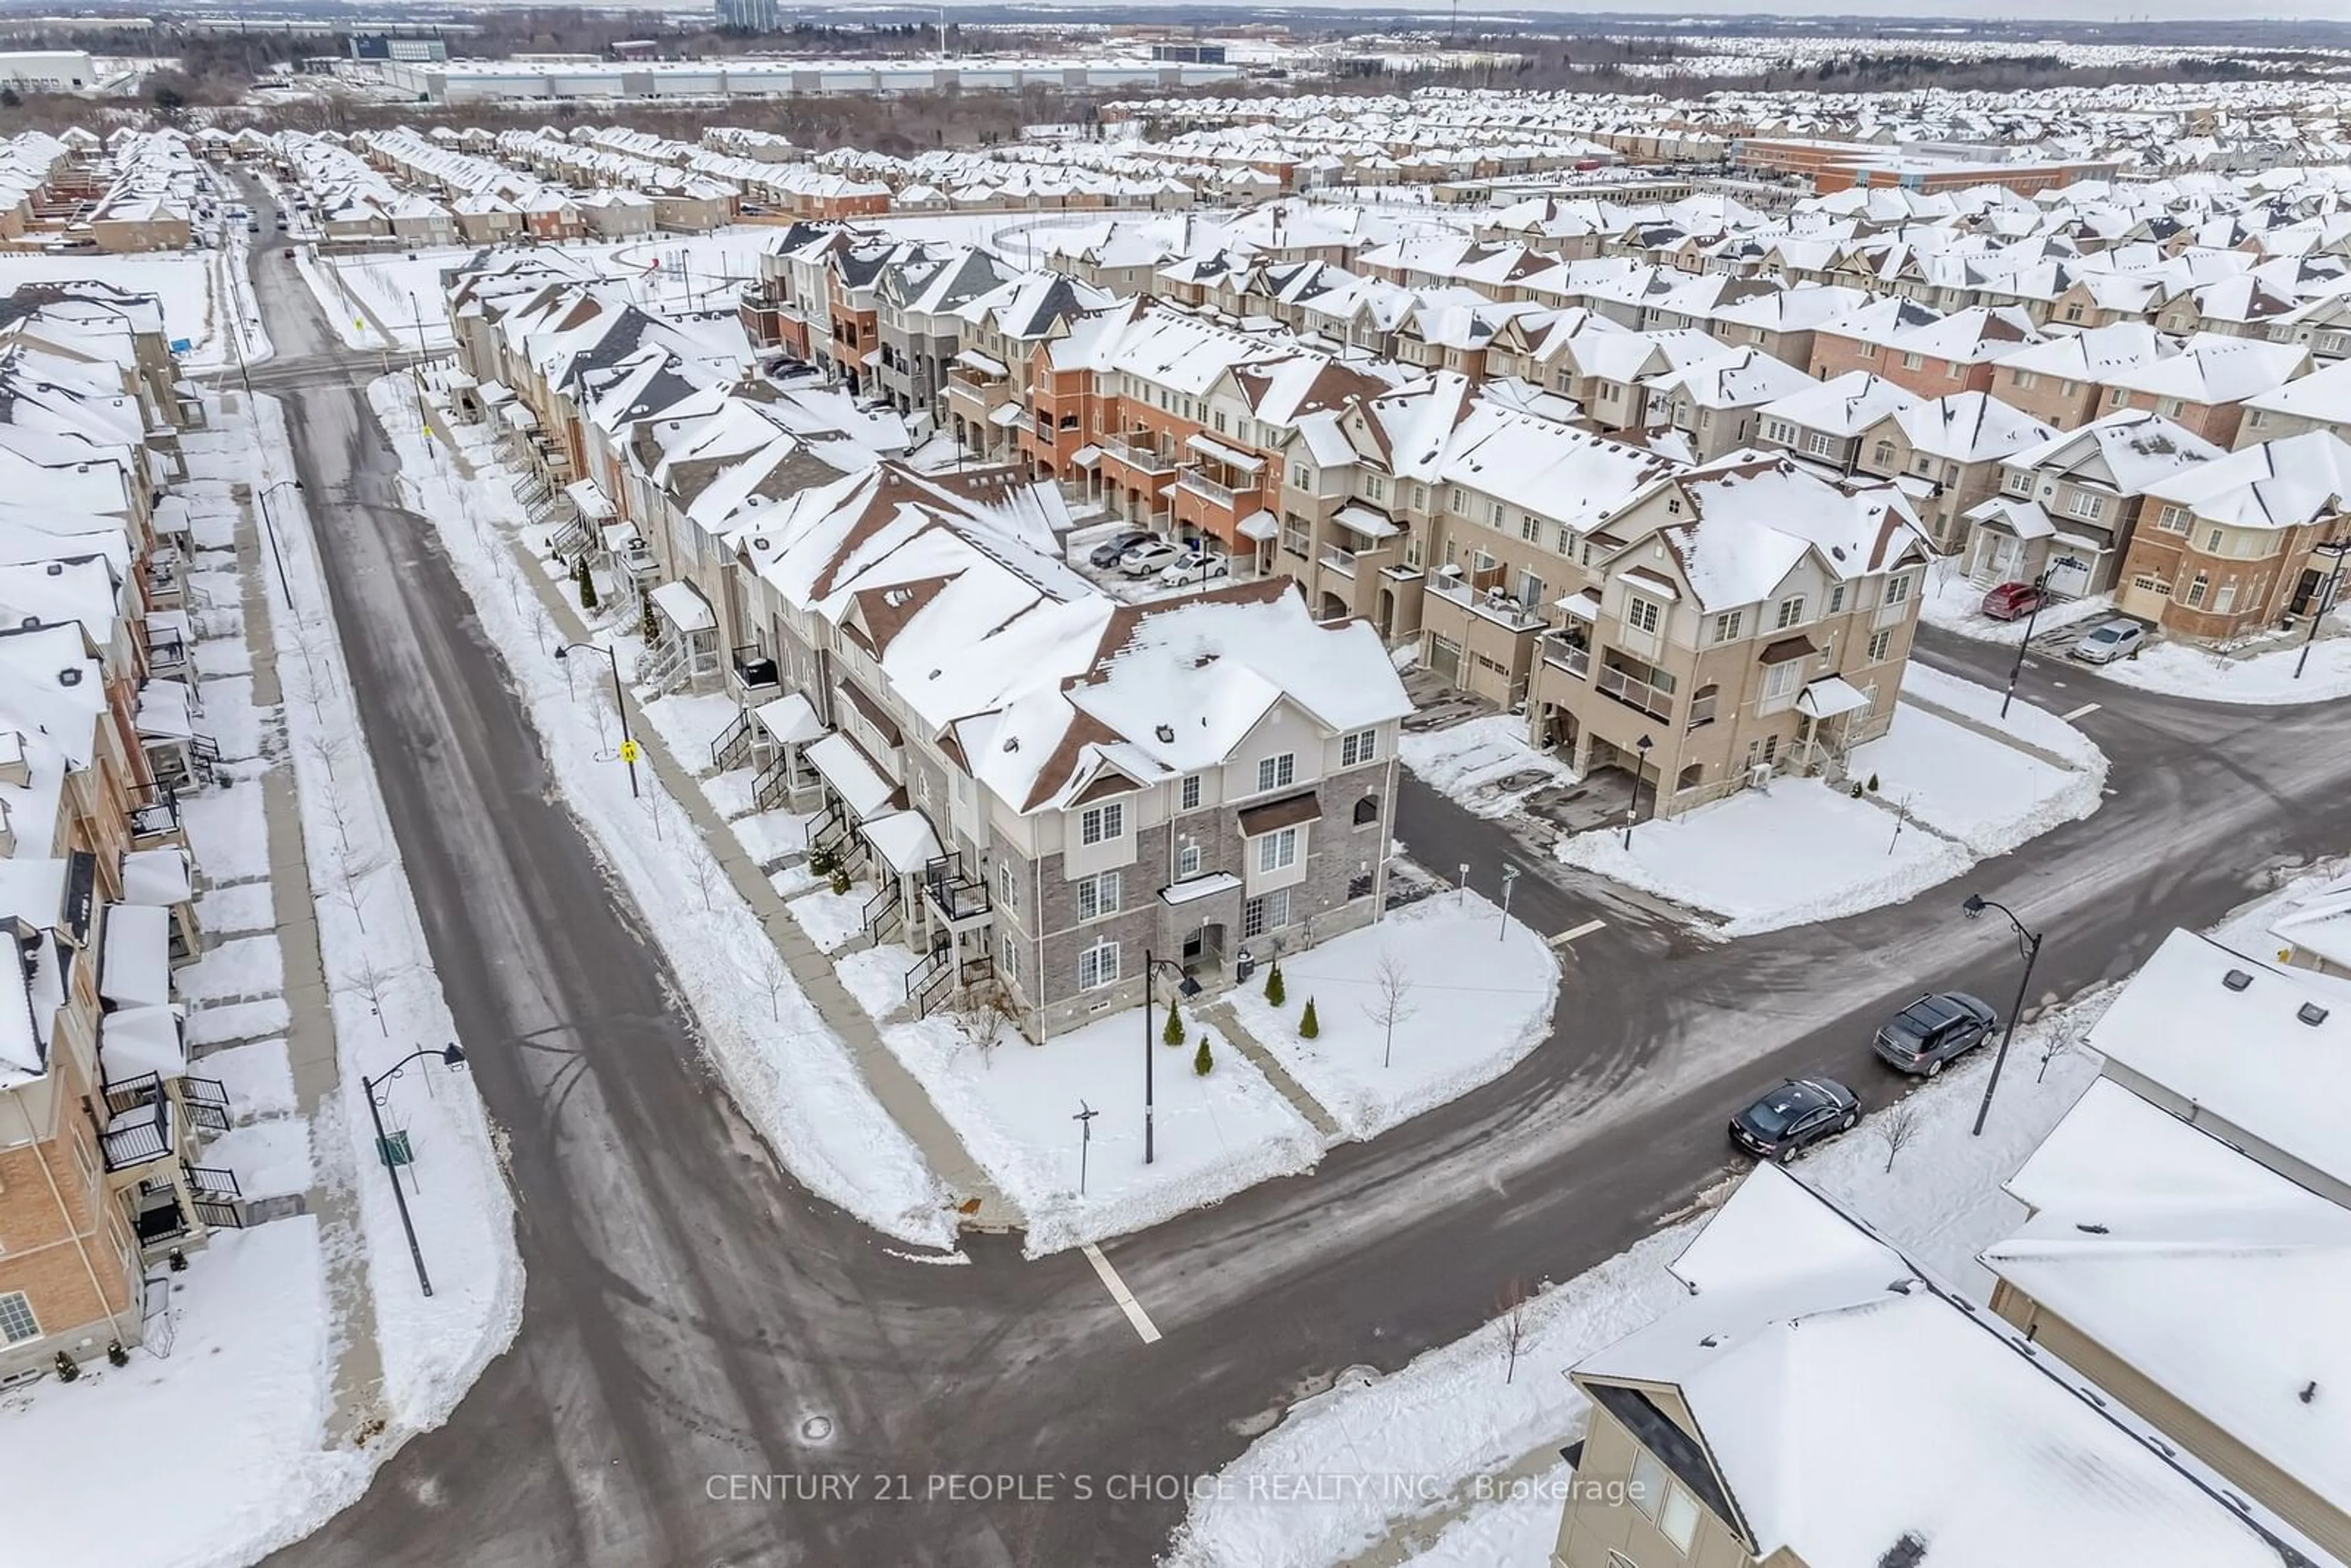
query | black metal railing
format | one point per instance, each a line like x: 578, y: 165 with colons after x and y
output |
x: 879, y: 909
x: 958, y: 894
x: 937, y: 970
x: 218, y: 1197
x: 206, y: 1099
x: 773, y: 786
x: 137, y: 1133
x: 154, y: 813
x: 734, y: 743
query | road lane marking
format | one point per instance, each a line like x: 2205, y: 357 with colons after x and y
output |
x: 1121, y: 1294
x: 1586, y: 929
x: 2084, y: 711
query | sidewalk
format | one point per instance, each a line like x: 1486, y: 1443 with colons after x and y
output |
x: 310, y: 1030
x: 982, y: 1204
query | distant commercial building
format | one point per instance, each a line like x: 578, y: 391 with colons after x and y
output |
x: 478, y: 81
x: 49, y: 70
x: 409, y: 48
x: 1190, y: 54
x: 750, y: 16
x: 1841, y: 165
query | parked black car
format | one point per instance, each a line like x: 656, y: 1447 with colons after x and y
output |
x: 1797, y: 1114
x: 1929, y: 1033
x: 1106, y: 554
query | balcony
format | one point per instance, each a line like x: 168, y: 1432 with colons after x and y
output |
x: 1562, y: 654
x: 140, y: 1134
x: 1635, y: 692
x: 751, y: 675
x: 958, y: 898
x: 985, y: 390
x: 1489, y: 603
x: 1193, y: 479
x: 1339, y: 561
x: 1142, y: 459
x: 155, y: 818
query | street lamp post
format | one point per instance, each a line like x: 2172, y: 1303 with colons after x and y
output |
x: 269, y: 531
x: 1509, y: 881
x: 452, y: 1055
x: 1632, y: 806
x: 2338, y: 549
x: 620, y: 701
x: 1185, y: 986
x: 2040, y: 591
x: 2030, y: 941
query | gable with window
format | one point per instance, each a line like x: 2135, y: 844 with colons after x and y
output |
x: 1100, y: 824
x: 1278, y: 771
x: 1642, y: 615
x: 1361, y: 747
x: 1791, y: 612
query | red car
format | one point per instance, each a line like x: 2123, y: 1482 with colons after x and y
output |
x: 2011, y: 600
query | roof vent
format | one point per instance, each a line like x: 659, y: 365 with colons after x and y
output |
x: 2309, y: 1391
x: 56, y: 568
x: 760, y: 544
x: 2236, y: 980
x: 2312, y: 1014
x: 29, y: 623
x: 1900, y: 1287
x: 1710, y: 1340
x: 71, y: 676
x: 1165, y: 732
x: 2091, y: 1229
x: 1012, y: 743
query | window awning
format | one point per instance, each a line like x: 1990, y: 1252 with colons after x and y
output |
x: 1232, y: 457
x: 1259, y: 526
x: 1829, y: 696
x: 1584, y: 606
x: 518, y: 417
x: 861, y: 786
x: 1654, y: 584
x: 971, y: 359
x: 684, y: 608
x: 788, y: 720
x: 1287, y: 812
x: 1363, y: 522
x: 904, y: 840
x: 1788, y: 648
x: 1086, y: 456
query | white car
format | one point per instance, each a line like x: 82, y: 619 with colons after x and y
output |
x: 2109, y: 641
x: 1196, y: 569
x: 1151, y: 555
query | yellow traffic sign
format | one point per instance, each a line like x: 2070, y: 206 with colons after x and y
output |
x: 628, y: 751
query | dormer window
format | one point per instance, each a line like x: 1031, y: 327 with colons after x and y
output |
x: 1100, y: 824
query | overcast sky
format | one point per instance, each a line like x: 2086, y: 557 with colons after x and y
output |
x: 1955, y: 10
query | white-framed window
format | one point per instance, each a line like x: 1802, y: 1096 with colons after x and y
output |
x: 1729, y: 624
x: 1820, y: 443
x: 1278, y: 771
x: 1678, y: 1520
x: 2224, y: 601
x: 1099, y: 824
x: 1007, y: 957
x: 1779, y: 431
x: 2196, y: 591
x: 1188, y: 859
x: 2085, y: 504
x: 2212, y: 542
x: 1008, y: 887
x: 17, y: 1323
x: 1188, y: 793
x: 1878, y: 644
x: 1897, y: 590
x: 1528, y: 526
x: 1098, y: 896
x: 1912, y: 361
x: 2026, y: 381
x: 1362, y: 747
x: 1642, y: 614
x: 1837, y: 600
x: 2172, y: 519
x: 1779, y: 685
x: 1269, y: 911
x: 1530, y: 590
x: 1098, y: 965
x: 1791, y: 612
x: 1278, y: 851
x: 1647, y: 1487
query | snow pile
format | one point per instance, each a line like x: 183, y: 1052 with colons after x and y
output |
x: 1485, y: 764
x: 792, y: 1075
x: 1800, y: 851
x: 2259, y: 680
x: 1471, y: 991
x: 1016, y: 1107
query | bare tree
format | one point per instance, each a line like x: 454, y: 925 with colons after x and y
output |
x: 775, y: 977
x: 1897, y: 1125
x: 709, y: 876
x: 353, y: 868
x: 1390, y: 1001
x: 2060, y: 1041
x: 1510, y: 1323
x: 374, y: 981
x: 982, y: 1014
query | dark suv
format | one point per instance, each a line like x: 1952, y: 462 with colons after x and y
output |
x: 1799, y: 1113
x: 1933, y: 1030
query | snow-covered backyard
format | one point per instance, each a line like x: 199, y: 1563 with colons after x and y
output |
x: 790, y: 1072
x: 1801, y: 850
x: 1485, y: 764
x: 1469, y: 991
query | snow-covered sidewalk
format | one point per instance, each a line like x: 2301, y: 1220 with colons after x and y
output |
x: 792, y: 1073
x: 1468, y: 989
x: 1947, y: 794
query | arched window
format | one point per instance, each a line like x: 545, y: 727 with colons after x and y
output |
x: 1367, y: 810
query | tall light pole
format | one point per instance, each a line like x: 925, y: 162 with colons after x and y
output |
x: 1632, y: 806
x: 269, y: 531
x: 1509, y: 881
x: 2338, y: 549
x: 2030, y: 942
x: 452, y: 1055
x: 2040, y: 592
x: 1185, y: 986
x: 620, y: 701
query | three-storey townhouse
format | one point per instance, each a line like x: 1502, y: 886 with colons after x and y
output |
x: 2067, y: 506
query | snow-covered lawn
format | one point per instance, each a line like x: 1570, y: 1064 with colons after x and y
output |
x: 268, y: 1158
x: 1435, y: 1434
x: 1472, y: 992
x: 1015, y: 1106
x: 2264, y: 679
x: 1485, y: 764
x: 242, y: 1396
x: 687, y: 721
x: 794, y: 1077
x: 398, y: 292
x: 1800, y: 851
x: 2034, y: 726
x: 833, y: 920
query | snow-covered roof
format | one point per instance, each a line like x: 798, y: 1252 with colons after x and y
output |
x: 1856, y: 1415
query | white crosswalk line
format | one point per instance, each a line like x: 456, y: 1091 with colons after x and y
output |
x: 1586, y: 929
x: 2084, y: 711
x: 1122, y: 1295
